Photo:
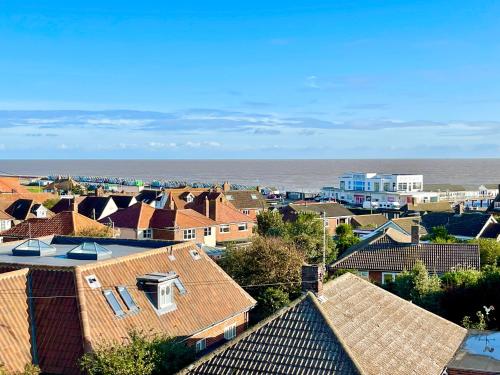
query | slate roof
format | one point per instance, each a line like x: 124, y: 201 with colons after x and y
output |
x: 430, y: 207
x: 466, y: 225
x: 492, y: 231
x: 297, y: 340
x: 357, y: 327
x: 137, y: 216
x: 91, y: 204
x: 388, y: 255
x: 123, y: 201
x: 405, y: 223
x: 246, y: 199
x: 386, y: 334
x: 15, y: 344
x: 149, y: 196
x: 63, y: 223
x: 368, y: 221
x: 331, y: 209
x: 23, y: 209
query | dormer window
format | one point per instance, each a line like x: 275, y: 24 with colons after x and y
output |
x: 189, y: 198
x: 159, y: 290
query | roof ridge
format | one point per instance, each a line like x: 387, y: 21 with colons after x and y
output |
x: 14, y: 273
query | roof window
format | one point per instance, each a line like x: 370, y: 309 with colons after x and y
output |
x: 254, y: 196
x: 113, y: 302
x: 127, y: 298
x: 89, y: 251
x: 195, y: 254
x: 93, y: 282
x: 229, y: 197
x: 34, y: 247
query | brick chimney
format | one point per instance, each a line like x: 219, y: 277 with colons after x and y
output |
x: 99, y: 191
x: 206, y: 208
x: 312, y: 278
x: 226, y: 186
x: 73, y: 206
x: 415, y: 234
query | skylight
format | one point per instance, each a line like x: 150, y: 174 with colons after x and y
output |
x: 34, y: 247
x: 180, y: 286
x: 89, y: 251
x: 229, y: 197
x: 254, y: 196
x: 113, y: 302
x: 127, y: 298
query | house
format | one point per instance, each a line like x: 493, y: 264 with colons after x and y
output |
x: 15, y: 334
x: 5, y: 221
x: 464, y: 226
x: 141, y: 221
x: 232, y: 225
x: 335, y: 213
x: 422, y: 208
x: 12, y: 185
x: 157, y: 287
x: 350, y: 327
x: 94, y: 207
x: 66, y: 223
x: 495, y: 204
x: 64, y: 185
x: 365, y: 224
x: 23, y: 209
x: 154, y: 198
x: 248, y: 202
x: 403, y: 225
x: 381, y: 258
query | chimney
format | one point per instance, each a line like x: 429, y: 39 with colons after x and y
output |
x: 73, y: 205
x: 312, y: 278
x: 415, y: 234
x: 226, y: 187
x: 99, y: 191
x: 206, y: 208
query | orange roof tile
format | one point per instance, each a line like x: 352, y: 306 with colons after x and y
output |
x: 64, y: 223
x: 212, y: 296
x: 11, y: 185
x: 15, y: 338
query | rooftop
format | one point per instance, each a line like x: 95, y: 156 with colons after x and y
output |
x: 480, y: 351
x: 62, y: 245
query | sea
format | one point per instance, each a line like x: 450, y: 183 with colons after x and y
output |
x: 300, y: 175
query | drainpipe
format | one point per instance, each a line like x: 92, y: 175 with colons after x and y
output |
x: 31, y: 307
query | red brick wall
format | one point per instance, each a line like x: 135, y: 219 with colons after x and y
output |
x: 234, y: 234
x: 215, y: 334
x: 375, y: 276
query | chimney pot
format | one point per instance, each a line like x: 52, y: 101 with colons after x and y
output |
x: 312, y: 278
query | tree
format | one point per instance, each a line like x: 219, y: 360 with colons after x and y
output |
x: 416, y: 285
x: 137, y: 354
x: 307, y: 232
x: 461, y: 278
x: 489, y: 251
x: 345, y: 238
x: 269, y: 269
x: 29, y: 369
x: 440, y: 234
x: 50, y: 203
x: 270, y: 223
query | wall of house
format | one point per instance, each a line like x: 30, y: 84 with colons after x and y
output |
x: 234, y: 234
x: 5, y: 225
x: 215, y: 335
x: 375, y: 276
x: 128, y: 233
x: 252, y: 212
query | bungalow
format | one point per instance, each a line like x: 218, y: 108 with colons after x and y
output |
x: 349, y: 327
x: 158, y: 287
x: 248, y: 202
x: 335, y: 213
x: 141, y: 221
x: 381, y: 257
x: 403, y: 225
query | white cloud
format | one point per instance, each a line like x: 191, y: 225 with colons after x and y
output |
x: 63, y: 146
x: 162, y: 145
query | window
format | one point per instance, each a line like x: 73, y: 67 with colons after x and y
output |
x: 189, y: 198
x: 246, y: 212
x: 224, y: 228
x: 113, y: 302
x: 127, y: 298
x: 180, y: 286
x: 164, y: 296
x: 93, y: 281
x: 4, y: 225
x: 326, y: 223
x: 147, y: 233
x: 230, y: 332
x: 207, y: 231
x: 189, y: 234
x: 388, y: 277
x: 195, y: 255
x: 364, y: 274
x: 242, y: 226
x: 201, y: 345
x: 254, y: 197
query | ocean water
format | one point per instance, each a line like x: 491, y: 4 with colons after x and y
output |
x: 307, y: 175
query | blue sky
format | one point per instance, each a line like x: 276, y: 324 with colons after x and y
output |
x: 256, y: 79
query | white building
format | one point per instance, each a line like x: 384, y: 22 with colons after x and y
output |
x: 381, y: 190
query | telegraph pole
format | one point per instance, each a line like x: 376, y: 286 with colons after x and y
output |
x: 324, y: 241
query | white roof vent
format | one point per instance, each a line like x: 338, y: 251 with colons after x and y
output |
x: 93, y: 281
x: 195, y: 254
